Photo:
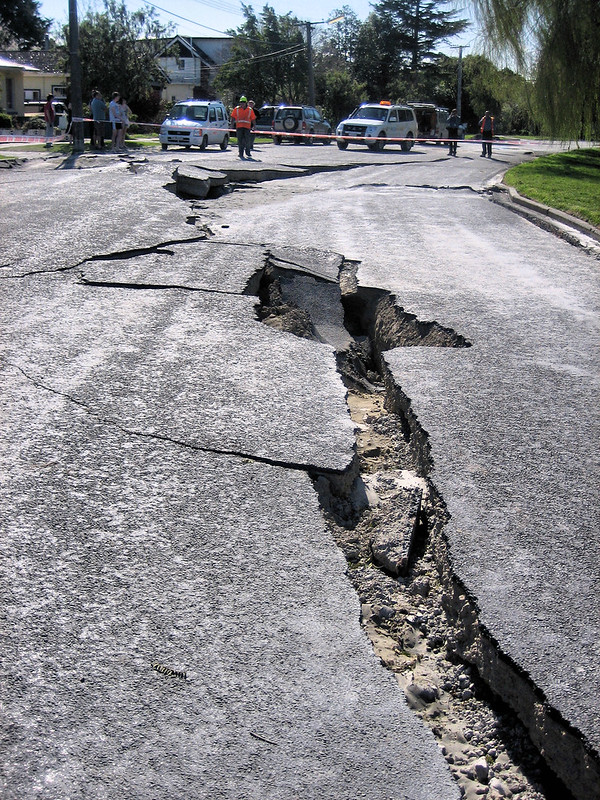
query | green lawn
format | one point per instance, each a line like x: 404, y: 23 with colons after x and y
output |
x: 569, y: 181
x: 134, y: 142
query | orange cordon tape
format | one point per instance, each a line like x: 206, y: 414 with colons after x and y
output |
x: 332, y: 136
x: 9, y: 138
x: 276, y: 134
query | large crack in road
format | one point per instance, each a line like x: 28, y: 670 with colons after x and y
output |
x: 493, y: 725
x: 495, y: 729
x: 385, y: 514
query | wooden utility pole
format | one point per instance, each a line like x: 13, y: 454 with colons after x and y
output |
x: 459, y: 82
x: 75, y: 67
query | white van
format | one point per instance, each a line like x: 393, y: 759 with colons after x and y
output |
x: 196, y: 123
x: 431, y: 120
x: 374, y: 124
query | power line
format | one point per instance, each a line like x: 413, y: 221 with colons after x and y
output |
x: 185, y: 19
x: 208, y: 28
x: 289, y: 51
x: 221, y: 5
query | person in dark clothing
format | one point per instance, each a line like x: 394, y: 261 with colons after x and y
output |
x: 452, y: 123
x: 98, y: 107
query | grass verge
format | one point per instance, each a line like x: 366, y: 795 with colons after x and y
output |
x: 568, y: 181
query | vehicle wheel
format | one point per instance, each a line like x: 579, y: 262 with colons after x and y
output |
x: 277, y: 140
x: 164, y: 146
x: 225, y: 142
x: 406, y: 145
x: 342, y: 145
x: 380, y: 143
x: 290, y: 124
x: 204, y: 142
x: 326, y: 140
x: 309, y: 139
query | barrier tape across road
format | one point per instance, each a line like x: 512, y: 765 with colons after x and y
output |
x: 7, y: 137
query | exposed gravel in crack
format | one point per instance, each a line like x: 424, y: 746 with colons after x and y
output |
x: 488, y: 749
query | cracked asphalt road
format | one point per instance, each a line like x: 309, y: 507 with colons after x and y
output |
x: 132, y: 536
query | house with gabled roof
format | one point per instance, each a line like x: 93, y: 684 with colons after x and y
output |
x: 42, y: 73
x: 190, y: 65
x: 12, y: 75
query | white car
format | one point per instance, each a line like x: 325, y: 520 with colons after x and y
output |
x: 374, y: 124
x: 196, y: 123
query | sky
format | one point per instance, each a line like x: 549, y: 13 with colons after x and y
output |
x: 215, y: 17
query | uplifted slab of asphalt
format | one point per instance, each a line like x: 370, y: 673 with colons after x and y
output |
x: 320, y: 263
x: 248, y: 170
x: 121, y: 553
x: 194, y: 367
x: 211, y: 266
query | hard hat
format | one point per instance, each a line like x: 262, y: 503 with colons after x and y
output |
x: 243, y: 99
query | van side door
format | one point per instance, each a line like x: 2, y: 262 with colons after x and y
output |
x: 212, y: 124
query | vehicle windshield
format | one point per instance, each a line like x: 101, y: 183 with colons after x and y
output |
x: 371, y: 112
x: 181, y: 111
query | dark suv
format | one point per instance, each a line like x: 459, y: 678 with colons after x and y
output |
x: 300, y: 124
x: 264, y: 118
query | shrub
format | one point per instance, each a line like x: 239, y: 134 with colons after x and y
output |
x: 133, y: 128
x: 34, y: 124
x: 6, y: 121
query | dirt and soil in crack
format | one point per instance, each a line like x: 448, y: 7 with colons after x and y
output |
x: 388, y: 520
x: 488, y: 749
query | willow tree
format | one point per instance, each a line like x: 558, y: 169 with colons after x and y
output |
x: 564, y: 38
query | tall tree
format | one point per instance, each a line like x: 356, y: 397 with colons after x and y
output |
x: 397, y: 46
x: 339, y: 39
x: 378, y: 55
x: 338, y: 93
x: 21, y: 24
x: 267, y: 59
x: 565, y: 37
x: 117, y: 51
x: 425, y: 25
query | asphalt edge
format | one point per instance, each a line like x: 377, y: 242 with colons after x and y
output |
x: 547, y: 212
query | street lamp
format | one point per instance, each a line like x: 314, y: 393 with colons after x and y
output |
x: 311, y: 74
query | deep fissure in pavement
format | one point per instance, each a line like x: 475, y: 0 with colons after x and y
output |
x: 388, y: 519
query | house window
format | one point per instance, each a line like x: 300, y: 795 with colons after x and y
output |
x: 32, y: 95
x: 59, y: 92
x: 181, y: 64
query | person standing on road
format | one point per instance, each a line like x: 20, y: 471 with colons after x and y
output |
x: 98, y: 108
x: 452, y: 124
x: 49, y: 116
x: 243, y: 119
x: 251, y: 105
x: 125, y: 112
x: 114, y: 115
x: 486, y: 126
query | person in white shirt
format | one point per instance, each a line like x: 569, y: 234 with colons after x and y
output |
x: 125, y: 112
x: 116, y: 118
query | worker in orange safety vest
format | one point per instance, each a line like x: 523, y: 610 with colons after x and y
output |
x: 486, y: 126
x: 243, y: 119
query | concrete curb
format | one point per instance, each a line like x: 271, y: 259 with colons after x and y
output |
x: 552, y: 213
